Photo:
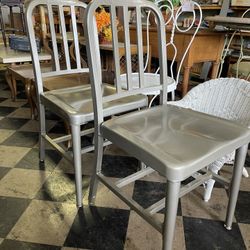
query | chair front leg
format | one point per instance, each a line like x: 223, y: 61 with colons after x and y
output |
x: 42, y: 125
x: 97, y: 168
x: 235, y: 184
x: 173, y: 190
x: 76, y: 141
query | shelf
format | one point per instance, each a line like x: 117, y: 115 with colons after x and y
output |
x: 211, y: 7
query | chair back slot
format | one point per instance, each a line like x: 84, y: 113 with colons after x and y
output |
x: 53, y: 37
x: 75, y: 37
x: 64, y: 36
x: 127, y: 47
x: 140, y: 47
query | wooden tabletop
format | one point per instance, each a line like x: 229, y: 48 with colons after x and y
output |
x: 8, y: 55
x: 230, y: 22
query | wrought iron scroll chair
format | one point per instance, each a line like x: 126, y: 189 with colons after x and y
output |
x: 72, y: 104
x: 174, y: 141
x: 172, y: 19
x: 228, y: 98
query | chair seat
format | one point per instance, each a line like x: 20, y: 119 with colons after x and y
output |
x: 175, y: 141
x: 150, y: 79
x: 75, y: 103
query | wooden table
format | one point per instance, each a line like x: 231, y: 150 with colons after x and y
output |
x: 13, y: 57
x: 206, y: 47
x: 107, y: 49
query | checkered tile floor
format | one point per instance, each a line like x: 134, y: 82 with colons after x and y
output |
x: 37, y: 205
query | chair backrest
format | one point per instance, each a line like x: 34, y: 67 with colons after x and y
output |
x: 174, y: 16
x: 94, y: 53
x: 55, y: 12
x: 228, y: 98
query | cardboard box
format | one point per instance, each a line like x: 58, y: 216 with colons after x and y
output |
x: 245, y: 3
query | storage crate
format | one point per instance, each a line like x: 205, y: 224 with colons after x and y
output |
x: 21, y: 43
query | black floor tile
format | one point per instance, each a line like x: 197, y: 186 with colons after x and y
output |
x: 3, y: 172
x: 2, y: 99
x: 207, y: 234
x: 10, y: 211
x: 6, y: 110
x: 119, y: 166
x: 99, y: 229
x: 146, y: 193
x: 31, y: 160
x: 20, y: 245
x: 12, y: 123
x: 59, y: 128
x: 22, y: 139
x: 21, y: 95
x: 242, y: 212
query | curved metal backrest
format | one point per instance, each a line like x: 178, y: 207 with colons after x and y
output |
x: 94, y: 53
x: 174, y: 16
x: 54, y: 10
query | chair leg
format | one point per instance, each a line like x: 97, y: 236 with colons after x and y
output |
x: 173, y: 189
x: 235, y: 184
x: 76, y: 140
x: 97, y: 168
x: 42, y: 133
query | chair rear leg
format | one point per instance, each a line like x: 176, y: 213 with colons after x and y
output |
x: 76, y: 140
x: 235, y: 184
x: 97, y: 168
x: 173, y: 190
x: 42, y: 125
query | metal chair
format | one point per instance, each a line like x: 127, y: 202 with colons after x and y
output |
x: 172, y: 18
x: 11, y: 4
x: 72, y: 104
x: 228, y: 98
x: 174, y: 141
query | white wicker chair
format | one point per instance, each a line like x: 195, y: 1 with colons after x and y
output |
x: 228, y: 98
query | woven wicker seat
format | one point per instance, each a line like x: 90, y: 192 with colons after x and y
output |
x: 228, y: 98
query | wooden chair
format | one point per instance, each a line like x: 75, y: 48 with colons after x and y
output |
x: 174, y: 141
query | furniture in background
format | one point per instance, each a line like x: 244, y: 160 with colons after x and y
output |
x: 12, y: 57
x: 172, y: 22
x: 227, y: 98
x: 237, y: 27
x: 11, y: 28
x: 206, y: 47
x: 73, y: 104
x: 174, y: 141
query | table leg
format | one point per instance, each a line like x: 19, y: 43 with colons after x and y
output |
x: 185, y: 80
x: 27, y: 85
x: 9, y: 81
x: 215, y: 68
x: 13, y: 81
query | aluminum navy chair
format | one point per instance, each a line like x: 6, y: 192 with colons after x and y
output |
x: 72, y: 104
x: 174, y: 141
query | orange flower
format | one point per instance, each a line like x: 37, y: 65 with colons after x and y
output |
x: 102, y: 19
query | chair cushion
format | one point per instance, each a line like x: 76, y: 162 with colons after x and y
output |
x: 75, y: 103
x: 175, y: 141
